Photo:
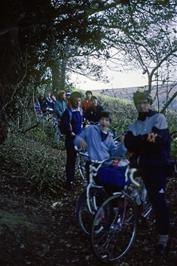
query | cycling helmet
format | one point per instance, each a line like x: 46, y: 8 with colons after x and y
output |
x: 140, y: 96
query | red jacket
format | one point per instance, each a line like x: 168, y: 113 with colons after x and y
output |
x: 86, y: 104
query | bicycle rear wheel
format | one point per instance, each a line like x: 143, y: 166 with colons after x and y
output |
x: 114, y: 228
x: 83, y: 214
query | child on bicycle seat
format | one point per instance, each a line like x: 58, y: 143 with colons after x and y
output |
x: 97, y: 140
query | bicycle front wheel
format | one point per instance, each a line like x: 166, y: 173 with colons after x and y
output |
x: 83, y: 214
x: 114, y: 228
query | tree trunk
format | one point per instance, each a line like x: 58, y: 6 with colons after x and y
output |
x: 55, y: 76
x: 9, y: 74
x: 58, y: 69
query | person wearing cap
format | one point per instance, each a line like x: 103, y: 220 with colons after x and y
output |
x: 68, y: 94
x: 148, y: 143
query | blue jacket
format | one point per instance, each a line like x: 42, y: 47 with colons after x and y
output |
x: 72, y: 121
x: 97, y: 148
x: 149, y: 154
x: 59, y: 107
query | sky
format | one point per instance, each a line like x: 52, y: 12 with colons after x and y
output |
x: 116, y: 80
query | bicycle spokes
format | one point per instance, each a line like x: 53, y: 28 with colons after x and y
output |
x: 114, y: 228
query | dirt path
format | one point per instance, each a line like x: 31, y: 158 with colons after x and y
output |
x: 33, y: 233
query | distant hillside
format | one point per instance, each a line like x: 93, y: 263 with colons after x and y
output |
x: 127, y: 93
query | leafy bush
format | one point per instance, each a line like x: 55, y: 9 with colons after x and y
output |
x: 42, y: 165
x: 174, y: 148
x: 172, y: 121
x: 38, y: 134
x: 45, y: 134
x: 122, y: 112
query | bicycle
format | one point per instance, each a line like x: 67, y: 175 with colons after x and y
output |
x: 115, y: 222
x: 81, y: 163
x: 92, y: 196
x: 114, y: 225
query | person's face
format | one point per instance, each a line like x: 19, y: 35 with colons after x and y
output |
x: 64, y: 96
x: 143, y: 106
x: 76, y: 102
x: 89, y: 96
x: 104, y: 122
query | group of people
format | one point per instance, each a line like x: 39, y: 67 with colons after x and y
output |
x: 146, y: 143
x: 56, y: 105
x: 59, y: 102
x: 50, y: 103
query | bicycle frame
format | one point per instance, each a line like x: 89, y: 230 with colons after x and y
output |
x: 93, y: 170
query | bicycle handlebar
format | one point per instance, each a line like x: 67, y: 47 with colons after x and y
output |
x: 82, y: 153
x: 130, y: 173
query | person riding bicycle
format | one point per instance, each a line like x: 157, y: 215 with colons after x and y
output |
x: 148, y: 143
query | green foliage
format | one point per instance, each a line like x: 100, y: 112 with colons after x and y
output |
x: 174, y: 148
x: 122, y: 112
x: 39, y: 135
x: 44, y: 133
x: 41, y: 164
x: 172, y: 121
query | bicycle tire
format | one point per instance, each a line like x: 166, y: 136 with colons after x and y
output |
x: 114, y: 228
x: 83, y: 215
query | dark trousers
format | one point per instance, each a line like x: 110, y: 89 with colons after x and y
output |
x: 155, y: 181
x: 71, y: 155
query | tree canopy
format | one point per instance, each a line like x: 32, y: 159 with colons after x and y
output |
x: 41, y: 35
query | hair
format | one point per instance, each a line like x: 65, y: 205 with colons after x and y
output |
x: 74, y: 96
x: 60, y: 94
x: 88, y: 92
x: 105, y: 114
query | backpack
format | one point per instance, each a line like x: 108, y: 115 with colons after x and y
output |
x: 62, y: 122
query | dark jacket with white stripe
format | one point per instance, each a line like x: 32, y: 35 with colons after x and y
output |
x: 149, y: 154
